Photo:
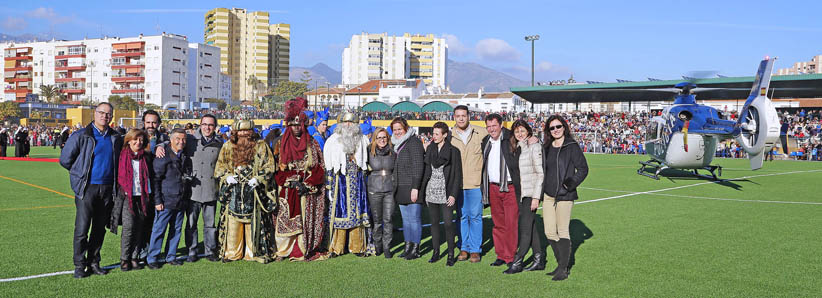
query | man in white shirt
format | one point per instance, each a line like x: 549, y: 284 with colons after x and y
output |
x: 501, y: 188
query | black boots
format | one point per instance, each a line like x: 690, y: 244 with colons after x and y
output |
x: 538, y: 264
x: 414, y: 251
x: 95, y: 268
x: 407, y: 249
x: 378, y: 249
x: 451, y: 258
x: 435, y: 255
x: 387, y: 252
x: 564, y: 248
x: 516, y: 266
x: 80, y: 272
x: 555, y: 247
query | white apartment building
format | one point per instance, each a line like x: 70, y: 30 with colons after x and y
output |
x: 204, y: 74
x: 481, y: 101
x: 383, y: 57
x: 804, y: 67
x: 149, y: 69
x: 225, y: 88
x: 387, y: 91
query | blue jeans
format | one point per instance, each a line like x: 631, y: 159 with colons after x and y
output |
x: 158, y: 231
x: 411, y: 222
x: 471, y: 220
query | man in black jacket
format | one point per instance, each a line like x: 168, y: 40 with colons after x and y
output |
x: 171, y: 194
x: 501, y: 188
x: 91, y: 156
x: 4, y: 141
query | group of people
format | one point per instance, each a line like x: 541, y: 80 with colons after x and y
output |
x: 288, y: 198
x: 23, y: 137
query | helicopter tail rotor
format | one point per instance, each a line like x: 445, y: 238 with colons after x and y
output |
x: 758, y: 124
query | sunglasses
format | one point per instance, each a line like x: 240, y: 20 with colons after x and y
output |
x: 555, y: 127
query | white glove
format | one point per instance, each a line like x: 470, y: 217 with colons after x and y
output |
x: 252, y: 182
x: 231, y: 179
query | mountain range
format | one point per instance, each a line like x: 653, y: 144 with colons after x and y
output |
x: 462, y: 77
x: 24, y: 37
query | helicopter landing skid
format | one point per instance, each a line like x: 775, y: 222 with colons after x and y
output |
x: 653, y: 164
x: 715, y: 171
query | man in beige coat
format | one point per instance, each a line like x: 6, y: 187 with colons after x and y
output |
x: 468, y: 139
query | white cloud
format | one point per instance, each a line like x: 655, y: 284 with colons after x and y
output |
x: 455, y: 46
x: 14, y: 24
x: 48, y: 14
x: 162, y: 10
x: 179, y: 10
x: 42, y: 13
x: 492, y: 49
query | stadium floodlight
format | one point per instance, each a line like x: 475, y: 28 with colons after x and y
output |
x: 532, y: 38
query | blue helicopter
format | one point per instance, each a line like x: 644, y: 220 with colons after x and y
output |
x: 685, y: 135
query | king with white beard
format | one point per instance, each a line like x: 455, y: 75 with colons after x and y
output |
x: 346, y: 160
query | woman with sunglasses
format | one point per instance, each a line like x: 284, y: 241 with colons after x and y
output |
x: 565, y: 168
x: 381, y: 190
x: 531, y: 177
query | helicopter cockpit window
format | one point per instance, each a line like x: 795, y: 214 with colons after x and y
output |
x: 653, y: 131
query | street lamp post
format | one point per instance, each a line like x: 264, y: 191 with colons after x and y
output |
x: 532, y: 39
x: 359, y: 90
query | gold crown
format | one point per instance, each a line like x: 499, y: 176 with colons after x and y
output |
x: 349, y: 117
x: 242, y: 124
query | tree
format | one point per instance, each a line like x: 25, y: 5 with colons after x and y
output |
x: 306, y: 77
x: 151, y: 106
x: 51, y: 93
x: 123, y: 103
x: 288, y: 89
x: 9, y: 109
x: 220, y: 103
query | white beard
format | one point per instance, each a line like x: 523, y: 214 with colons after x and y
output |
x: 349, y: 137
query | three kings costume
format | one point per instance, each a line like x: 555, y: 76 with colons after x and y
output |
x: 347, y: 192
x: 299, y: 220
x: 246, y: 230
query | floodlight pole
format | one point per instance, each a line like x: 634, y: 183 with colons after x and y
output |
x: 532, y: 39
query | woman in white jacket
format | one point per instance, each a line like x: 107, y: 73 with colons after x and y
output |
x: 531, y: 178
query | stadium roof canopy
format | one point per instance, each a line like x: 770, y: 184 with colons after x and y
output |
x: 437, y: 106
x: 406, y: 106
x: 376, y: 106
x: 787, y: 86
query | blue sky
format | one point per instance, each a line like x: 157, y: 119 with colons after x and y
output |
x: 594, y: 40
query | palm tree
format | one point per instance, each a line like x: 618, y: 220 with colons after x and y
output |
x: 50, y: 92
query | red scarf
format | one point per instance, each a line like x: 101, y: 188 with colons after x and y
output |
x: 125, y: 177
x: 292, y: 148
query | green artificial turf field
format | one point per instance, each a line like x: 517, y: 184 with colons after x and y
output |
x: 756, y: 234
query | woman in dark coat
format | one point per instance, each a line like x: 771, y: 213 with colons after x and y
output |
x: 408, y: 170
x: 381, y: 160
x: 442, y: 183
x: 565, y: 168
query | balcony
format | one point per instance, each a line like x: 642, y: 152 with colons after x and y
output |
x: 28, y: 57
x: 128, y: 65
x: 131, y: 90
x: 69, y: 68
x: 66, y: 56
x: 73, y: 91
x: 63, y: 80
x: 18, y: 79
x: 18, y: 91
x: 137, y: 53
x: 19, y: 68
x: 124, y: 79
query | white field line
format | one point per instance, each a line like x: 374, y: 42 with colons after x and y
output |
x: 487, y: 216
x: 709, y: 198
x: 692, y: 185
